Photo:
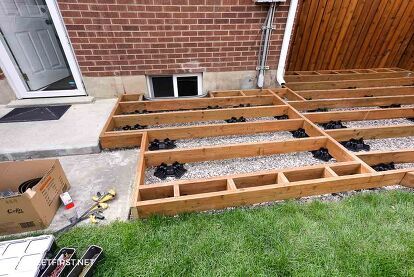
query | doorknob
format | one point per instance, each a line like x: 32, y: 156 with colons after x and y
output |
x: 48, y: 22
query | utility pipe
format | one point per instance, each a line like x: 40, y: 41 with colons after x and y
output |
x: 280, y: 75
x: 265, y: 45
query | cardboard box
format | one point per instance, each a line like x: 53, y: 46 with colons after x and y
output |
x: 34, y: 209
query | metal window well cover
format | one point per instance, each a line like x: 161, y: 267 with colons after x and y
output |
x: 35, y: 114
x: 23, y: 257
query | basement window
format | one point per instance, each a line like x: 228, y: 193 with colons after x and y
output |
x: 177, y: 85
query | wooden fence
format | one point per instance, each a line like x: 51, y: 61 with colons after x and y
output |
x: 349, y: 34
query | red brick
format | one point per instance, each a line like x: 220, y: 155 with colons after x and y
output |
x: 129, y: 37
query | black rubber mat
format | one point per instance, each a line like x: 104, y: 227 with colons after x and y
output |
x: 35, y: 114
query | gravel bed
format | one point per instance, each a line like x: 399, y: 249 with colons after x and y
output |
x: 390, y: 143
x: 375, y: 123
x: 200, y: 123
x: 404, y: 166
x: 186, y: 124
x: 195, y: 109
x: 364, y: 108
x: 235, y: 139
x: 238, y: 166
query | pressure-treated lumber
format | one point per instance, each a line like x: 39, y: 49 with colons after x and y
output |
x: 372, y: 132
x: 225, y: 129
x: 234, y: 151
x: 408, y: 180
x: 360, y: 115
x: 355, y: 93
x: 197, y: 103
x: 257, y: 193
x: 325, y: 85
x: 397, y: 156
x: 344, y: 76
x: 192, y: 116
x: 353, y: 102
x: 347, y: 171
x: 120, y: 140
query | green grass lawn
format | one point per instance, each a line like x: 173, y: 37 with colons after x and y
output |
x: 366, y: 235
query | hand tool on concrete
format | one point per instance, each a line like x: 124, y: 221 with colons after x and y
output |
x: 99, y: 205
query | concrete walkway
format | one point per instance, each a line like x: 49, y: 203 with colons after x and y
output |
x: 89, y: 174
x: 77, y: 132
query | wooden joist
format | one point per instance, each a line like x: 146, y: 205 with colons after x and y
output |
x: 355, y: 93
x: 372, y: 132
x: 353, y: 102
x: 192, y: 116
x: 351, y: 75
x: 225, y: 129
x: 244, y: 150
x: 195, y: 103
x: 360, y: 115
x: 397, y: 156
x: 327, y: 85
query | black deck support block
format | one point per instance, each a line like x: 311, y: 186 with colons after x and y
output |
x: 243, y: 105
x: 135, y: 127
x: 281, y: 117
x: 235, y: 119
x: 299, y: 133
x: 213, y: 107
x: 161, y: 145
x: 322, y: 154
x: 356, y: 145
x: 391, y: 106
x: 332, y: 125
x: 141, y: 111
x: 318, y: 110
x: 384, y: 166
x: 176, y: 170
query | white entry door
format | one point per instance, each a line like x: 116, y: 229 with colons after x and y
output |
x: 32, y: 43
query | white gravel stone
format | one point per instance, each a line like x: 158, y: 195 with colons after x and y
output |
x: 200, y: 123
x: 404, y: 166
x: 236, y: 139
x: 390, y: 143
x: 209, y: 169
x: 364, y: 108
x: 376, y: 123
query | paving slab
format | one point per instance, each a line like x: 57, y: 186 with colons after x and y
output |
x: 76, y: 132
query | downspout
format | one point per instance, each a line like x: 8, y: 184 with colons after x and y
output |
x: 280, y: 75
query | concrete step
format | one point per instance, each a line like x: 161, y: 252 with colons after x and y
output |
x: 50, y: 101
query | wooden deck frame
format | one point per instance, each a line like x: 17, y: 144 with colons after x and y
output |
x: 350, y: 171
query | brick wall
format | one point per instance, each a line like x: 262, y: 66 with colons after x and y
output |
x: 136, y: 37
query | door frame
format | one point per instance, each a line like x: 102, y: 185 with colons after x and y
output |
x: 15, y: 78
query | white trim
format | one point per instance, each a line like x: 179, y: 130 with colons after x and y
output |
x: 175, y: 85
x: 14, y: 77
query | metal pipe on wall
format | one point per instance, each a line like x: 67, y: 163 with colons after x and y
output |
x: 265, y: 45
